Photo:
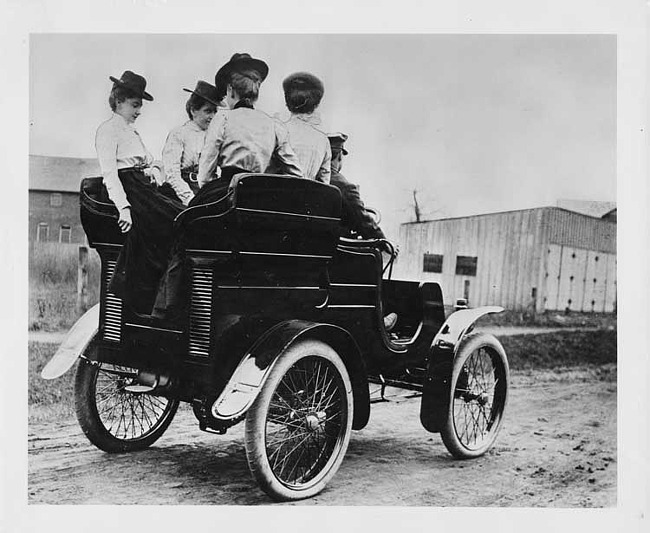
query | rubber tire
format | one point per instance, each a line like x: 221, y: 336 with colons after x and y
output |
x: 91, y: 424
x: 470, y: 344
x: 256, y: 416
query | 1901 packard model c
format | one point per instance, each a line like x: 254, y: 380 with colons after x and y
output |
x: 285, y: 331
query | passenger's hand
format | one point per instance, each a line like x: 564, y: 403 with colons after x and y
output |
x: 154, y: 175
x: 124, y: 222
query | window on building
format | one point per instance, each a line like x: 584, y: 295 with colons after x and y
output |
x: 65, y: 233
x: 56, y: 199
x: 466, y: 265
x: 432, y: 263
x: 42, y: 232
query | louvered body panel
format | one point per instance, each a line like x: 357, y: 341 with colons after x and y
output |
x: 112, y: 312
x: 200, y: 312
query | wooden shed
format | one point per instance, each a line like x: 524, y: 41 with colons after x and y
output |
x: 539, y: 259
x: 54, y: 197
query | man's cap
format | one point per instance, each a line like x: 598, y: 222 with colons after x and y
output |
x: 337, y: 140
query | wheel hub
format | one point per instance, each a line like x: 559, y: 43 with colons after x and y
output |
x: 313, y: 420
x: 483, y: 398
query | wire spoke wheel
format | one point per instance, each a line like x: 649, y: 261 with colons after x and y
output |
x: 479, y: 389
x: 113, y: 418
x: 298, y: 430
x: 303, y: 432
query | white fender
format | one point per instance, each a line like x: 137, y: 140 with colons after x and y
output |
x: 242, y: 389
x: 457, y: 324
x: 74, y: 344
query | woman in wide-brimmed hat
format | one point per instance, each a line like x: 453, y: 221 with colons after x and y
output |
x: 240, y: 139
x: 145, y: 214
x: 184, y: 144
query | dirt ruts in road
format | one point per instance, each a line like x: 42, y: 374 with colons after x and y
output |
x: 557, y: 448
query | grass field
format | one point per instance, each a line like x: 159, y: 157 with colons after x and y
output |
x: 54, y: 399
x: 53, y: 285
x: 47, y: 398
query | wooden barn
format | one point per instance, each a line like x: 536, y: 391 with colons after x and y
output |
x: 54, y: 197
x: 540, y: 259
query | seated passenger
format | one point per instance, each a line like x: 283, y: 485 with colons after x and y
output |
x: 242, y: 139
x: 145, y: 214
x: 183, y: 146
x: 355, y: 218
x: 303, y: 93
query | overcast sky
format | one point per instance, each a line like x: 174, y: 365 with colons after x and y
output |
x: 478, y: 122
x: 475, y: 123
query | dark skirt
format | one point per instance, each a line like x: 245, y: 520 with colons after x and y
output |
x: 172, y: 299
x: 145, y: 253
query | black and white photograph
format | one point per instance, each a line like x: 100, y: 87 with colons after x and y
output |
x: 349, y: 268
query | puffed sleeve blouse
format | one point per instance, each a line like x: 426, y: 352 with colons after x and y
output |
x: 181, y: 153
x: 119, y: 146
x: 247, y: 139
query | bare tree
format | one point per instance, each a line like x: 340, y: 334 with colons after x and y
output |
x: 416, y: 206
x: 421, y: 214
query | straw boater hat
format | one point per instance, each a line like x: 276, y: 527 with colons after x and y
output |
x: 337, y: 140
x: 206, y: 91
x: 239, y: 61
x: 134, y: 83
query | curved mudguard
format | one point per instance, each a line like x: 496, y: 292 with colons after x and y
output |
x: 74, y: 345
x: 252, y: 372
x: 435, y: 393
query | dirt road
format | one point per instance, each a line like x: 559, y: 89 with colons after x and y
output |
x: 557, y: 448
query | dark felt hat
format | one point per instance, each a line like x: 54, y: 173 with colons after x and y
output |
x: 303, y: 81
x: 206, y: 91
x: 337, y: 140
x: 134, y: 83
x: 238, y: 61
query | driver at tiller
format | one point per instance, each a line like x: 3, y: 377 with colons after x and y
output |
x: 354, y: 215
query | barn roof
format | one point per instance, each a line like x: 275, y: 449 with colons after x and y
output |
x: 60, y: 174
x: 592, y: 208
x: 562, y: 226
x: 496, y: 213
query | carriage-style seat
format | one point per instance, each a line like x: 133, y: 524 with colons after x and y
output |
x: 272, y: 239
x: 267, y: 214
x: 262, y: 213
x: 98, y: 214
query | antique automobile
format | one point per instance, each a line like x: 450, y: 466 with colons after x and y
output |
x: 284, y: 331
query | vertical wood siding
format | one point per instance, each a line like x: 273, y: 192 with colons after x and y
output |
x: 550, y: 250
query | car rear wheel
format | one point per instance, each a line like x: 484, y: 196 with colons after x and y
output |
x: 112, y: 417
x: 478, y: 396
x: 298, y: 428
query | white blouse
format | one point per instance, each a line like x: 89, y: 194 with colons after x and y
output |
x: 119, y: 146
x: 181, y: 153
x: 311, y: 146
x: 247, y: 139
